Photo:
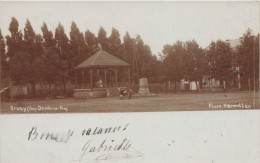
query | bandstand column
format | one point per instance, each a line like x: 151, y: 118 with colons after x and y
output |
x: 91, y: 78
x: 129, y: 75
x: 105, y: 83
x: 116, y: 71
x: 76, y: 82
x: 83, y: 78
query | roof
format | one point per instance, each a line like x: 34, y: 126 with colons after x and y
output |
x: 234, y: 43
x: 102, y: 59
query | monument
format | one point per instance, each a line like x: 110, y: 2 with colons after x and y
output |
x: 143, y: 87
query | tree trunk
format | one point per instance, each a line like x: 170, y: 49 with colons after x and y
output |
x: 224, y: 85
x: 249, y: 83
x: 243, y: 83
x: 33, y: 89
x: 55, y: 90
x: 196, y: 85
x: 201, y: 83
x: 166, y: 85
x: 175, y: 86
x: 50, y: 91
x: 41, y: 89
x: 252, y: 83
x: 65, y: 88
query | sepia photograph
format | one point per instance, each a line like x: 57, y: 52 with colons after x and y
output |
x: 129, y: 81
x: 81, y: 57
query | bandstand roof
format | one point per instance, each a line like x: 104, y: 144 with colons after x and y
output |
x: 102, y: 59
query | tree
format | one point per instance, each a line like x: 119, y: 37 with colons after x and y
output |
x: 79, y: 50
x: 51, y: 66
x: 51, y: 60
x: 194, y: 60
x: 144, y: 59
x: 14, y: 42
x: 39, y: 58
x: 17, y: 65
x: 173, y: 62
x: 128, y: 49
x: 47, y: 36
x: 248, y: 59
x: 3, y: 58
x: 114, y: 42
x: 90, y: 39
x: 155, y: 70
x: 256, y: 59
x: 29, y: 35
x: 139, y: 57
x: 102, y: 39
x: 3, y: 68
x: 220, y: 61
x: 63, y: 46
x: 34, y: 53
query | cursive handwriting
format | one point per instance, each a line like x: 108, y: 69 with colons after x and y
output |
x: 105, y: 146
x: 100, y: 130
x: 57, y: 137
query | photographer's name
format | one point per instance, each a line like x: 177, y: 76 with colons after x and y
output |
x: 38, y: 108
x: 229, y: 106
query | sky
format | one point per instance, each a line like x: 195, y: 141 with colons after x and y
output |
x: 158, y: 23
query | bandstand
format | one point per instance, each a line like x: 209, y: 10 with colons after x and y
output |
x: 100, y: 67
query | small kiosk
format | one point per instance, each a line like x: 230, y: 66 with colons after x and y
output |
x: 94, y: 72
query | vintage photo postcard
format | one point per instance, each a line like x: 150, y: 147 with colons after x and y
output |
x: 147, y: 82
x: 73, y: 57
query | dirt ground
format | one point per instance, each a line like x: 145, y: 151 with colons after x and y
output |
x: 160, y: 102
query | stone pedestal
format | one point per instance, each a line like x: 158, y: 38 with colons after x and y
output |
x: 143, y: 87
